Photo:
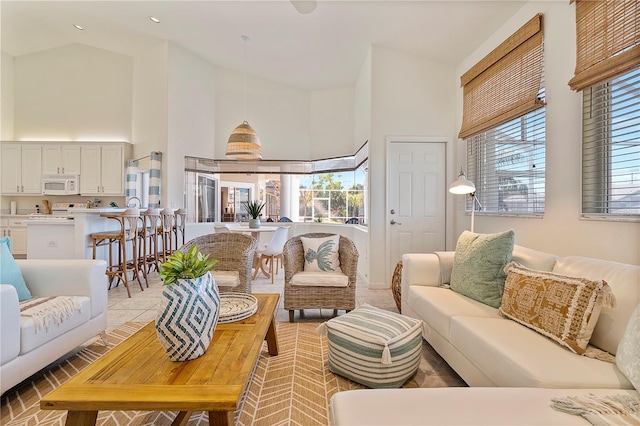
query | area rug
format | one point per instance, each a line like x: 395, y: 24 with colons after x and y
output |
x: 293, y: 388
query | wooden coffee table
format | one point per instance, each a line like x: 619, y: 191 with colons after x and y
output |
x: 138, y: 375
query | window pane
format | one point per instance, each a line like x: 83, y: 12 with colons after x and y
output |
x: 611, y: 148
x: 507, y: 165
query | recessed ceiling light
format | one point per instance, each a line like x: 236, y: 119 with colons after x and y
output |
x: 78, y: 27
x: 154, y: 19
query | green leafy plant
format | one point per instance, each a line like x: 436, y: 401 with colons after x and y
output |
x: 253, y: 208
x: 189, y: 265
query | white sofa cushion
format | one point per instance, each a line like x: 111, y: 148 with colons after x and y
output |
x: 456, y: 406
x: 513, y: 355
x: 31, y: 339
x: 436, y: 306
x: 624, y: 282
x: 533, y: 259
x: 628, y: 356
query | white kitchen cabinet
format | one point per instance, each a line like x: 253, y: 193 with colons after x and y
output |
x: 60, y: 160
x: 17, y: 233
x: 21, y: 168
x: 102, y: 169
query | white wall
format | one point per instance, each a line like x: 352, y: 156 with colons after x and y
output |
x: 410, y: 96
x: 6, y: 96
x: 191, y: 112
x: 331, y: 116
x: 561, y: 231
x: 75, y: 92
x: 362, y: 104
x: 278, y: 113
x: 150, y: 101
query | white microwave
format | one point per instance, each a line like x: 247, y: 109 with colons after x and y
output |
x: 60, y: 185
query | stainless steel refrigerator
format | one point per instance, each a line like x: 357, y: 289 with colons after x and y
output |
x: 201, y: 197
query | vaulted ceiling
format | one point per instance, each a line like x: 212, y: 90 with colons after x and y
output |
x: 321, y: 49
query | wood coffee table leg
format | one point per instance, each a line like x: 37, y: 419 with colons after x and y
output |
x: 272, y: 338
x: 182, y: 418
x: 221, y: 418
x: 81, y: 418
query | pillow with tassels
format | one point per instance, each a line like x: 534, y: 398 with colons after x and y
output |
x: 560, y: 307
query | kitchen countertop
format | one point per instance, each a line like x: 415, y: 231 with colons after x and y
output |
x: 103, y: 210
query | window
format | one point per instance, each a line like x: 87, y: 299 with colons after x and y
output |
x: 611, y: 148
x: 333, y: 197
x: 503, y: 123
x: 507, y: 165
x: 332, y: 190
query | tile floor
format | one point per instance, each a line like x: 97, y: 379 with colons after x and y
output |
x: 142, y: 304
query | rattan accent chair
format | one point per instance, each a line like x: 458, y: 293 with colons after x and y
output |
x: 320, y: 297
x: 234, y: 252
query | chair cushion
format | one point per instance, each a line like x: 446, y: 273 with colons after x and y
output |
x: 374, y: 347
x: 320, y: 279
x: 478, y: 265
x: 321, y: 254
x: 10, y: 272
x: 226, y: 278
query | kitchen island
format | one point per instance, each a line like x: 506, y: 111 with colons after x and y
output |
x: 88, y: 221
x: 48, y: 238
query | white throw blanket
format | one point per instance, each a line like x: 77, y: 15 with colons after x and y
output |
x: 49, y: 310
x: 608, y: 410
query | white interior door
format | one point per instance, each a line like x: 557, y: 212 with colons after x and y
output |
x: 416, y: 216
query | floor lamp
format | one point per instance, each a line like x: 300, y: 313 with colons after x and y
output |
x: 463, y: 186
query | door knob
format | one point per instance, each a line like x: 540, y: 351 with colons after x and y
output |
x: 393, y: 222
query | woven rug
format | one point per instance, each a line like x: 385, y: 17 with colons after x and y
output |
x: 293, y: 388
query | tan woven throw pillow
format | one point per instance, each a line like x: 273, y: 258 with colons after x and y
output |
x: 560, y: 307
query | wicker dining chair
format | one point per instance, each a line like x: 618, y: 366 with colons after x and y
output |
x: 319, y: 297
x: 235, y: 253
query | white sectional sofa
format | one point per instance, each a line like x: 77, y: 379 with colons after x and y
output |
x: 23, y: 351
x: 522, y: 368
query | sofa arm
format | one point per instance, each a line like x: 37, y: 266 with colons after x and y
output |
x: 9, y: 323
x: 72, y: 277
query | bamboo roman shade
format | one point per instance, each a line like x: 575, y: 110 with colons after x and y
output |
x: 504, y: 85
x: 607, y: 38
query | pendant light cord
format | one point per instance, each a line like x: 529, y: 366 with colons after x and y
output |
x: 244, y: 79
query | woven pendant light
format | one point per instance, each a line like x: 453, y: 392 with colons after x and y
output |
x: 243, y: 143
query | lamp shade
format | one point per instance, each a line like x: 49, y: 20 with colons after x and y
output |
x: 462, y: 185
x: 244, y: 143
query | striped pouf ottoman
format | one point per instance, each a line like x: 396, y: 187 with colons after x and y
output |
x: 374, y: 347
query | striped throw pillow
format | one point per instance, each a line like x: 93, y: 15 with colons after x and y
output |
x: 374, y: 347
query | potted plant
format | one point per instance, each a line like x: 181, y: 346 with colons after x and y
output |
x: 190, y: 304
x: 254, y: 209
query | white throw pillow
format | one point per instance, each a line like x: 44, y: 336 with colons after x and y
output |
x: 321, y: 254
x: 628, y: 353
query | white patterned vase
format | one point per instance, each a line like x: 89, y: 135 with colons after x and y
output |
x: 187, y: 316
x: 254, y: 223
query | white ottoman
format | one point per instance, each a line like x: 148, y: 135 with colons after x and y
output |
x: 374, y: 347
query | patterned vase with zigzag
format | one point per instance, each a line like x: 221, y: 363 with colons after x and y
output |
x: 187, y: 316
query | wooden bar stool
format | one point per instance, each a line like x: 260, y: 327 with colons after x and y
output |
x: 149, y: 233
x: 128, y: 233
x: 179, y: 225
x: 166, y: 229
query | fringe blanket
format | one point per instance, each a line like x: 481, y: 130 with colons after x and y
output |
x: 49, y: 310
x: 608, y: 410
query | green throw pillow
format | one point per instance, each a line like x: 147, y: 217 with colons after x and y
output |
x: 478, y: 265
x: 10, y: 272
